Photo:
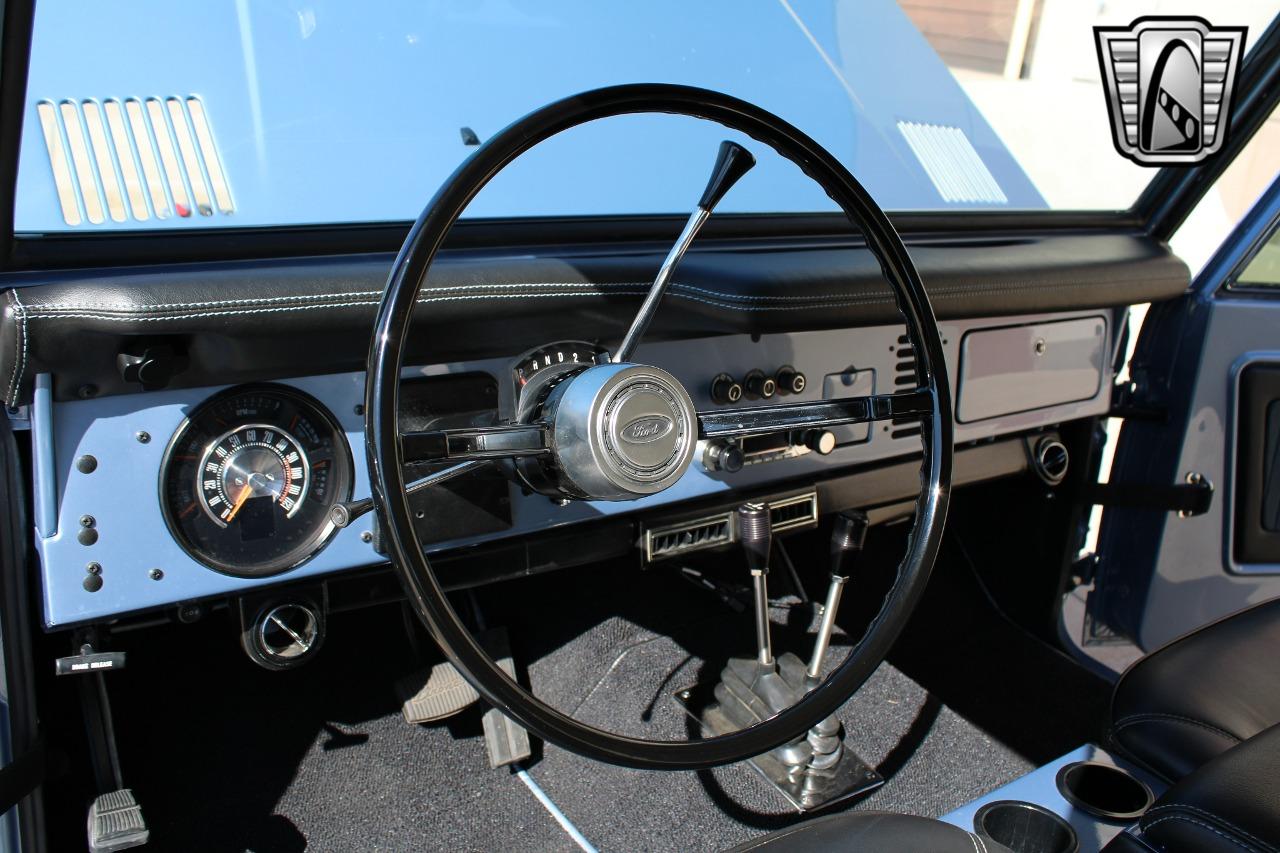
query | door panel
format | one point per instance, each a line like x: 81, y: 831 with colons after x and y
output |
x: 1207, y: 374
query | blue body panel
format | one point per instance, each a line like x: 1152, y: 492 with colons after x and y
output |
x: 341, y: 112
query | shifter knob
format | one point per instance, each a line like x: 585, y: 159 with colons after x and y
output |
x: 848, y: 537
x: 755, y: 535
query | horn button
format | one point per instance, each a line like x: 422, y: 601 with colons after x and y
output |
x: 620, y: 431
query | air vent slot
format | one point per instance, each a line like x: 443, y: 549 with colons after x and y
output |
x: 662, y: 543
x: 904, y: 379
x: 794, y: 513
x: 134, y: 159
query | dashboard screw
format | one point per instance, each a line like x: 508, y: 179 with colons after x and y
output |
x: 86, y: 464
x: 366, y: 536
x: 94, y: 568
x: 143, y: 436
x: 92, y: 583
x: 359, y: 409
x: 87, y: 521
x: 84, y: 392
x: 155, y: 574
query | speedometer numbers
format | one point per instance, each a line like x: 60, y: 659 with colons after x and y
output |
x: 249, y: 478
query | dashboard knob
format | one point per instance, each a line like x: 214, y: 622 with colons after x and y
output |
x: 759, y: 385
x: 820, y: 441
x: 789, y: 380
x: 725, y: 457
x: 725, y: 389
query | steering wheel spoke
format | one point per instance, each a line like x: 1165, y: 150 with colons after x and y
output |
x: 731, y: 423
x: 474, y: 443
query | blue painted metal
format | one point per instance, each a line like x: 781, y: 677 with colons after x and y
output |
x: 1040, y: 787
x: 1191, y: 375
x: 122, y: 494
x: 349, y: 112
x: 44, y: 490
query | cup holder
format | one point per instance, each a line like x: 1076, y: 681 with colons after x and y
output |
x: 1104, y: 791
x: 1025, y: 828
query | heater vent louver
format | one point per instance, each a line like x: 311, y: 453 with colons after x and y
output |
x: 794, y: 513
x: 134, y: 159
x: 677, y: 539
x: 904, y: 379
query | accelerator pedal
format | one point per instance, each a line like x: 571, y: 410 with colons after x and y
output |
x: 116, y: 823
x: 444, y: 693
x: 506, y: 741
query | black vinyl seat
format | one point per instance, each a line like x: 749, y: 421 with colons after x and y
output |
x: 1228, y: 805
x: 871, y: 832
x: 1201, y: 694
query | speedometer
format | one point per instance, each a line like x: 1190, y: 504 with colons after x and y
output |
x: 249, y: 478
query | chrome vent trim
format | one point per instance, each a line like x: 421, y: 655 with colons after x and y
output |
x: 674, y: 540
x: 952, y: 163
x: 714, y: 531
x: 134, y: 159
x: 794, y: 513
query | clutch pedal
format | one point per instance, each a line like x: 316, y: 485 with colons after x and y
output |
x: 116, y: 823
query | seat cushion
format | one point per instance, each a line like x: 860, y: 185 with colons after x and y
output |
x: 1202, y: 694
x: 881, y: 832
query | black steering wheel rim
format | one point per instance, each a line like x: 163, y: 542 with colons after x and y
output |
x: 391, y: 331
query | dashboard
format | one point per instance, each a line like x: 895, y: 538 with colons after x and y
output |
x: 151, y: 500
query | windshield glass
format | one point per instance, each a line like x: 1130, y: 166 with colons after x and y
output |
x: 154, y: 114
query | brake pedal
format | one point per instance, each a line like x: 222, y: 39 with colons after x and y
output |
x: 116, y: 823
x: 444, y: 694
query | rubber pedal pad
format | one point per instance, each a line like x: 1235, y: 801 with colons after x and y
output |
x: 435, y: 694
x: 116, y: 823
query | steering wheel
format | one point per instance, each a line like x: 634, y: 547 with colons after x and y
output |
x: 619, y: 431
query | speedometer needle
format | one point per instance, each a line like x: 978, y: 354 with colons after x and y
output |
x: 240, y: 499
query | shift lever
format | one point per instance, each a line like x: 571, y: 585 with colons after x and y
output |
x: 847, y: 539
x: 732, y: 162
x: 756, y: 536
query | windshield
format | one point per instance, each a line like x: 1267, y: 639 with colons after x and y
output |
x: 154, y: 114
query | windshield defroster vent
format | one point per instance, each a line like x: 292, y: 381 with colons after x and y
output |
x: 952, y: 163
x: 133, y: 160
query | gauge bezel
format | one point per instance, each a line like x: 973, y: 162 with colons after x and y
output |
x: 316, y: 541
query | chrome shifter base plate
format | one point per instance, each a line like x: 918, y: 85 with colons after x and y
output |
x: 805, y: 789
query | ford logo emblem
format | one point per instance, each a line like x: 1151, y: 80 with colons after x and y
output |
x: 646, y: 429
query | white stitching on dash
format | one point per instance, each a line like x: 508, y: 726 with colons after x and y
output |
x: 1200, y: 823
x: 975, y: 841
x: 232, y: 312
x: 20, y: 339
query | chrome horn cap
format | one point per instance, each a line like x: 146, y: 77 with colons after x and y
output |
x: 621, y: 431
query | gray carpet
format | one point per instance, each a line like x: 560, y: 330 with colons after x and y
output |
x: 388, y: 790
x: 321, y: 760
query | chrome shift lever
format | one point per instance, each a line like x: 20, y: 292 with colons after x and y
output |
x: 847, y: 539
x: 732, y: 163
